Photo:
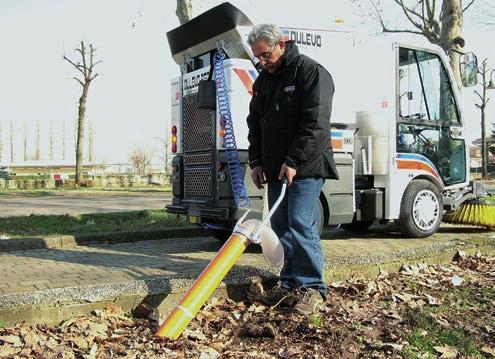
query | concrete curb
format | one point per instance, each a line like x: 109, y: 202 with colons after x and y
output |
x: 19, y: 244
x: 57, y: 304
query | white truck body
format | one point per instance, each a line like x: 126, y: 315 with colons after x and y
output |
x: 387, y: 125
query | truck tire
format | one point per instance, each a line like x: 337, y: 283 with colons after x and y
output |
x: 420, y: 209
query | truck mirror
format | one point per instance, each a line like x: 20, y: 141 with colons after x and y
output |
x: 469, y: 69
x: 207, y: 95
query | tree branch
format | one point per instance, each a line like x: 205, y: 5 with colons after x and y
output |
x: 468, y: 6
x: 83, y: 53
x: 406, y: 11
x: 78, y: 67
x: 75, y: 78
x: 477, y: 93
x: 403, y: 31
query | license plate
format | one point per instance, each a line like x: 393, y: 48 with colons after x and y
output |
x: 194, y: 219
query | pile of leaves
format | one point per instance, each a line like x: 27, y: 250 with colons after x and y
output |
x: 419, y: 312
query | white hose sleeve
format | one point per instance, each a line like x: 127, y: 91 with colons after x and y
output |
x: 268, y: 240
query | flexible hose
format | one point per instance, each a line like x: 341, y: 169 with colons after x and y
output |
x: 241, y: 197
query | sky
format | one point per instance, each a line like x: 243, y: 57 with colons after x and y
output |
x: 129, y: 101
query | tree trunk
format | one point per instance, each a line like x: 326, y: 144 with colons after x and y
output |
x: 50, y: 156
x: 184, y: 10
x: 90, y: 142
x: 484, y: 157
x: 11, y: 143
x: 37, y: 152
x: 25, y: 142
x: 450, y: 36
x: 63, y: 141
x: 80, y: 133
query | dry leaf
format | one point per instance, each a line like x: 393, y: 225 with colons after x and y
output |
x: 431, y: 300
x: 456, y: 281
x: 7, y: 351
x: 446, y: 352
x: 11, y: 339
x: 209, y: 353
x: 488, y: 350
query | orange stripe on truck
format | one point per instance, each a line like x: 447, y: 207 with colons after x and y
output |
x: 414, y: 165
x: 337, y: 143
x: 245, y: 79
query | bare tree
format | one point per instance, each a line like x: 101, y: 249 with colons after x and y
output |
x: 439, y: 21
x: 140, y: 160
x: 483, y: 72
x: 26, y: 157
x: 11, y: 143
x: 165, y: 152
x: 50, y: 142
x: 90, y: 142
x: 86, y: 69
x: 37, y: 151
x: 184, y: 10
x: 63, y: 139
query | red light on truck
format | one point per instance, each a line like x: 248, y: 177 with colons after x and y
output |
x: 174, y: 130
x: 174, y: 148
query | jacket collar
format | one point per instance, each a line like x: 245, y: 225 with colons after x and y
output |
x: 290, y: 54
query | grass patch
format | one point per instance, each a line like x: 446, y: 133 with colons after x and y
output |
x: 36, y: 225
x: 87, y: 191
x: 2, y: 324
x: 428, y: 333
x: 316, y: 320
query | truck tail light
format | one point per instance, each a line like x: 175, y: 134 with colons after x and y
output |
x: 174, y: 139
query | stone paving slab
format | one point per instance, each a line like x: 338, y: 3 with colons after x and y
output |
x: 33, y: 280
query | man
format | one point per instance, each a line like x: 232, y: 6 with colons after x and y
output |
x: 289, y: 136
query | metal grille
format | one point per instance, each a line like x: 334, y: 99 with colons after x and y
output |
x: 197, y: 182
x: 202, y: 159
x: 198, y: 126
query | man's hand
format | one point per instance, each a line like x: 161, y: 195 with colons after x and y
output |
x: 288, y: 172
x: 258, y: 177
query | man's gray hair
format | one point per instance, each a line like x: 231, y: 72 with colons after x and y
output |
x: 269, y: 33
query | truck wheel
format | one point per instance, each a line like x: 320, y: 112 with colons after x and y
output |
x: 420, y: 209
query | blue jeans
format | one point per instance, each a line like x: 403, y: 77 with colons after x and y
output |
x: 296, y: 224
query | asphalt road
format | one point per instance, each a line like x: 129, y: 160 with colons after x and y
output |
x: 77, y: 204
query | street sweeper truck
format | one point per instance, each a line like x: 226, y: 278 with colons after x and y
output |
x: 397, y: 129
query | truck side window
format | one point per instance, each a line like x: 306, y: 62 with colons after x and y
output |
x: 425, y: 89
x: 427, y: 112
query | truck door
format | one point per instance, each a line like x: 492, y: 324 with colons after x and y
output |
x: 429, y: 124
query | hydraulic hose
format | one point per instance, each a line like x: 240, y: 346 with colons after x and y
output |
x: 241, y: 197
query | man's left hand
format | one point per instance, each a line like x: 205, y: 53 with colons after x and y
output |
x: 288, y: 172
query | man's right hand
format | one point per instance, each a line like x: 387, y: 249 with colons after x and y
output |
x: 258, y: 177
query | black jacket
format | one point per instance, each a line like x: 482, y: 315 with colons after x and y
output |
x: 289, y: 118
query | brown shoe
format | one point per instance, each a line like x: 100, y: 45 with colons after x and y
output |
x: 277, y: 296
x: 310, y: 301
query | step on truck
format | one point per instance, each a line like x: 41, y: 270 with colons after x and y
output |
x: 397, y: 129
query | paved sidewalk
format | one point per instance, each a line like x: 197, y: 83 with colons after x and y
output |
x: 40, y: 280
